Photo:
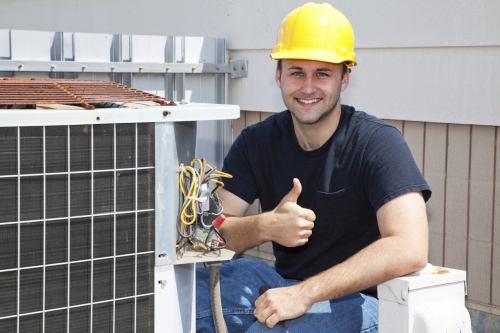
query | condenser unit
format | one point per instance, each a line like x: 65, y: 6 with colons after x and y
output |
x: 89, y: 202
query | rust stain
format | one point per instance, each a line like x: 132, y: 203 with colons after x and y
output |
x: 441, y: 271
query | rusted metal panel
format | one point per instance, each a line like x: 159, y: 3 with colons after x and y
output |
x: 457, y: 196
x: 414, y: 136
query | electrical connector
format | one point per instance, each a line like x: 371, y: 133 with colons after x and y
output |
x: 218, y: 221
x: 204, y: 198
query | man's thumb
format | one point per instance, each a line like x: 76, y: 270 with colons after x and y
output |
x: 293, y: 195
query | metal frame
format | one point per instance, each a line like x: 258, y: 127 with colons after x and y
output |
x: 182, y: 112
x: 113, y: 67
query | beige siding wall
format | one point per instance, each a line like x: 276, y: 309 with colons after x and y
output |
x: 460, y: 163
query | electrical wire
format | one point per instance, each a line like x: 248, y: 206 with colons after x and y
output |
x: 199, y: 174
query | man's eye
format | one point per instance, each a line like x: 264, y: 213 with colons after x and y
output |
x: 297, y: 74
x: 321, y: 74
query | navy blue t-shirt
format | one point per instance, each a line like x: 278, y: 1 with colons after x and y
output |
x: 365, y: 164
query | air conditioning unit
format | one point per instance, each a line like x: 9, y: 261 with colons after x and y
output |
x: 88, y: 209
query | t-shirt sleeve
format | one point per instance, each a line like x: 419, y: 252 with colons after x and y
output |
x: 390, y: 168
x: 237, y: 163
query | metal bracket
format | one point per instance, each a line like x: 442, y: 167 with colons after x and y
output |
x: 239, y: 68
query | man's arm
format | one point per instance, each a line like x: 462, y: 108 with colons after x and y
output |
x: 401, y: 250
x: 288, y: 224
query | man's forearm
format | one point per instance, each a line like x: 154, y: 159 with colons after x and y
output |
x: 243, y: 232
x: 383, y: 260
x: 288, y: 224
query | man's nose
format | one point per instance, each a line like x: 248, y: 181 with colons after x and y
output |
x: 308, y: 85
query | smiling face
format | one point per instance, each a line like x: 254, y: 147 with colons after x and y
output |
x: 311, y: 89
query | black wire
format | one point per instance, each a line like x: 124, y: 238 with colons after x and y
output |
x: 212, y: 248
x: 223, y: 238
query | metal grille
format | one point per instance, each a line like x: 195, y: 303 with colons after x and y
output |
x: 77, y: 228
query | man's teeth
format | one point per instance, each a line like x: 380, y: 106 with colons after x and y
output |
x: 308, y: 101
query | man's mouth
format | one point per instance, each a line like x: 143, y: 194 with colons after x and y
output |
x: 308, y: 101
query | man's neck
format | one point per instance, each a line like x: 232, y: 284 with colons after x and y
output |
x: 313, y: 136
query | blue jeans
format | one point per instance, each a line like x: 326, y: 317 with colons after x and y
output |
x: 240, y: 281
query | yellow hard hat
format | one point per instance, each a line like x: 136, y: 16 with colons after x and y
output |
x: 316, y: 32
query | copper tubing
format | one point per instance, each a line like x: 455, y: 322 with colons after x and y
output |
x: 23, y: 91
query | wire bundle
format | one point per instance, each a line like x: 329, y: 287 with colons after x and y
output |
x: 200, y: 205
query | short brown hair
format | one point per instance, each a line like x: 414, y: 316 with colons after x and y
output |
x: 344, y: 68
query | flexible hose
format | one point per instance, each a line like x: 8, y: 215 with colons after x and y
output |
x: 220, y: 324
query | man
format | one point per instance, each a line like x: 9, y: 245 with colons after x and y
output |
x: 343, y: 201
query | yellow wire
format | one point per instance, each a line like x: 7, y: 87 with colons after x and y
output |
x: 185, y: 217
x: 190, y: 196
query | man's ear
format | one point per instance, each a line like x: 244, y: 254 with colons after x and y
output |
x: 277, y: 77
x: 345, y: 80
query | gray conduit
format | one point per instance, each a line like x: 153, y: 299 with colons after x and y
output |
x: 220, y: 324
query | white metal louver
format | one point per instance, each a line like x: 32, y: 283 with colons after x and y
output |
x: 87, y: 223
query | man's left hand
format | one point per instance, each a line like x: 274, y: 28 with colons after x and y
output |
x: 279, y: 304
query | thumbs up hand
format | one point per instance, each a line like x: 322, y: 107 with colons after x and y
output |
x: 289, y: 224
